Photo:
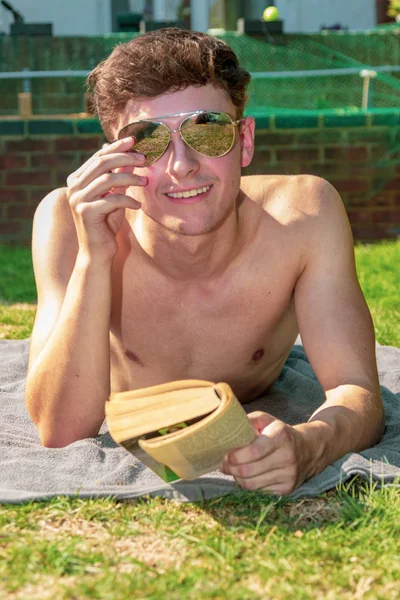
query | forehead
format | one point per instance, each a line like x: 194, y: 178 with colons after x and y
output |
x: 206, y: 97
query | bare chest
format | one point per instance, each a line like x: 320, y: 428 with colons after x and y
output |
x: 238, y: 330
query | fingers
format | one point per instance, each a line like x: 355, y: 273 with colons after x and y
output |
x: 107, y: 160
x: 260, y: 420
x: 105, y: 207
x: 265, y: 475
x: 118, y: 147
x: 269, y: 463
x: 280, y: 481
x: 257, y: 450
x: 105, y: 183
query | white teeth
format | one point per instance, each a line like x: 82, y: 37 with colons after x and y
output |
x: 190, y: 193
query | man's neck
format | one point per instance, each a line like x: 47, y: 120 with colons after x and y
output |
x: 185, y: 257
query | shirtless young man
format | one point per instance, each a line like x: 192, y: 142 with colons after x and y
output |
x: 140, y: 282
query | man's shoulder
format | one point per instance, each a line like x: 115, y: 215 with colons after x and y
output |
x: 55, y: 202
x: 54, y: 214
x: 293, y: 198
x: 54, y: 235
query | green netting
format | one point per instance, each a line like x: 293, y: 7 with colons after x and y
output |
x: 327, y: 51
x: 324, y: 51
x: 300, y: 102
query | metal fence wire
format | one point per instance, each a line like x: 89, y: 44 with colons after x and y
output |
x: 301, y: 72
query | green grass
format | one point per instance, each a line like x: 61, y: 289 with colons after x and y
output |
x: 17, y: 283
x: 344, y: 544
x: 379, y: 276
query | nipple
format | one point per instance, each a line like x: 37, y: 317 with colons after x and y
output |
x: 258, y: 354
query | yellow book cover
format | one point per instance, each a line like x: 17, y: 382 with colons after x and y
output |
x: 181, y: 429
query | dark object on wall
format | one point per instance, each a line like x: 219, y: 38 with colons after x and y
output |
x: 152, y: 25
x: 31, y: 29
x: 128, y: 21
x: 18, y: 18
x: 19, y: 27
x: 336, y: 27
x: 258, y: 26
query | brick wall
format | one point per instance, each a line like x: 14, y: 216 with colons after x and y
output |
x: 357, y: 156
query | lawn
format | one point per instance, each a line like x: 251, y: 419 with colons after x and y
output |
x: 343, y: 544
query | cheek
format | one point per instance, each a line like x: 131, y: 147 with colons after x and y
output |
x: 230, y: 171
x: 142, y: 193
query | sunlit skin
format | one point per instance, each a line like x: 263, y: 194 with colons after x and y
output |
x: 136, y: 288
x: 202, y: 233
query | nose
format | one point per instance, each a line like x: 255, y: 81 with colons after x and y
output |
x: 182, y: 160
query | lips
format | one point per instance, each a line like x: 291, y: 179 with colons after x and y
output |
x: 189, y: 193
x: 189, y: 196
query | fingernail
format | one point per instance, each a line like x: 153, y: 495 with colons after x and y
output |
x: 143, y: 180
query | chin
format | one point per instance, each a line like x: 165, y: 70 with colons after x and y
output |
x: 191, y: 225
x: 182, y: 227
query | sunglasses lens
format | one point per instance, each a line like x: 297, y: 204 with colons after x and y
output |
x: 209, y: 133
x: 152, y: 139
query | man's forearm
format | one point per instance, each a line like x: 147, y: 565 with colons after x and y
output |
x: 69, y: 381
x: 351, y: 420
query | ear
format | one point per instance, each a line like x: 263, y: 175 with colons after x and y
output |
x: 246, y: 131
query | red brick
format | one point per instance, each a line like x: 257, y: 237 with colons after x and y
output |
x: 313, y: 138
x: 20, y: 211
x: 29, y: 145
x: 371, y: 233
x: 298, y: 155
x: 10, y: 227
x: 359, y: 216
x: 330, y: 171
x: 62, y: 160
x: 37, y: 194
x: 394, y: 185
x: 386, y: 216
x: 353, y: 153
x: 275, y: 139
x: 353, y: 185
x: 356, y: 200
x: 13, y: 161
x: 379, y: 151
x: 266, y: 169
x: 383, y: 200
x: 7, y: 195
x: 84, y: 156
x: 261, y: 158
x: 61, y: 178
x: 78, y: 143
x: 24, y: 178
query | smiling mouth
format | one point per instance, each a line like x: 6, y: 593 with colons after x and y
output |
x: 190, y: 193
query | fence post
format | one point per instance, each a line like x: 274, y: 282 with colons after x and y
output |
x: 25, y: 105
x: 366, y: 75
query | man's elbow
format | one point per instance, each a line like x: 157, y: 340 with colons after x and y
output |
x: 376, y: 420
x: 380, y: 421
x: 54, y: 439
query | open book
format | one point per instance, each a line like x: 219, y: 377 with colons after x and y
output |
x: 182, y: 429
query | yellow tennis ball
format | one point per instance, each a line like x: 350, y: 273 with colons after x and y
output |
x: 271, y: 13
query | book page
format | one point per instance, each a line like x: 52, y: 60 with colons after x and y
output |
x: 202, y: 447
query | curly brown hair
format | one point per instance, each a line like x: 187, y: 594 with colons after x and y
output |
x: 165, y: 60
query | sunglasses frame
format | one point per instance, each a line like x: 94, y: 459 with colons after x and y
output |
x: 179, y: 129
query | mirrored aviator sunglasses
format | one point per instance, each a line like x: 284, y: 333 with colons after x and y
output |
x: 209, y: 133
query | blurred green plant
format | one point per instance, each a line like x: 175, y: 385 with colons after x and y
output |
x: 394, y: 8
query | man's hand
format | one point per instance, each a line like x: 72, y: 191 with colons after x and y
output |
x: 275, y: 462
x: 97, y: 197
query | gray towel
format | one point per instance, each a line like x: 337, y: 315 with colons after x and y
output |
x: 98, y: 467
